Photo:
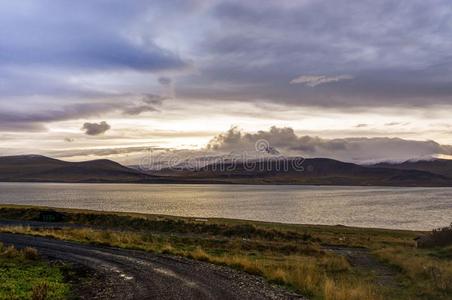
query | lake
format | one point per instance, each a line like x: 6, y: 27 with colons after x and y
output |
x: 384, y: 207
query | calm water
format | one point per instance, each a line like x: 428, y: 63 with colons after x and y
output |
x: 407, y: 208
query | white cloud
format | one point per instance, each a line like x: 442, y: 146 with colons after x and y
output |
x: 357, y: 150
x: 315, y: 80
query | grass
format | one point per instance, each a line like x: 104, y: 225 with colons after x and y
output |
x: 308, y: 270
x: 24, y: 276
x: 427, y: 276
x: 290, y: 255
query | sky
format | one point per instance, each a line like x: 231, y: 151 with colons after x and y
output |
x: 356, y: 80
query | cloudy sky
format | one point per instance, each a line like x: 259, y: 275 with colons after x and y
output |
x: 354, y: 80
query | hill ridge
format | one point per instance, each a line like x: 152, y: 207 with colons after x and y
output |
x: 313, y: 171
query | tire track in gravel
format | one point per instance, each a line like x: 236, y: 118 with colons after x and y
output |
x: 130, y: 274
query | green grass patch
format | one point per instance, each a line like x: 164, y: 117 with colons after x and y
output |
x: 24, y: 276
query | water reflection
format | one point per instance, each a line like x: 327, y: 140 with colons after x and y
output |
x: 405, y: 208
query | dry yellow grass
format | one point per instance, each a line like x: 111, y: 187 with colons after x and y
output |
x: 338, y: 291
x: 307, y: 274
x: 28, y: 253
x: 434, y: 274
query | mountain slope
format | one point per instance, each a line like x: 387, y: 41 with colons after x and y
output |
x: 37, y: 168
x: 436, y: 166
x: 317, y: 171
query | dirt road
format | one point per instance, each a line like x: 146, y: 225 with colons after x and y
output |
x: 128, y: 274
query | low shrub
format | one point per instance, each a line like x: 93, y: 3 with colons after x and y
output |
x: 30, y: 253
x: 437, y: 238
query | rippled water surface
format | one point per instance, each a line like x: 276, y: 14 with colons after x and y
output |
x: 405, y: 208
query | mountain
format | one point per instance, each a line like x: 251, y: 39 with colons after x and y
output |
x: 436, y: 166
x: 36, y: 168
x: 316, y: 171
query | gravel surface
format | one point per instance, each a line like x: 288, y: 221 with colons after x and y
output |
x: 129, y: 274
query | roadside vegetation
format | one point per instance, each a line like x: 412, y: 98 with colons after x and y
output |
x: 23, y: 275
x: 320, y: 262
x: 437, y: 238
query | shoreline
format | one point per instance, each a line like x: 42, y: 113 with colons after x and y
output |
x: 213, y: 182
x: 209, y: 219
x: 216, y: 219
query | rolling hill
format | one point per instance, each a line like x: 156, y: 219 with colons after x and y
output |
x: 36, y: 168
x: 315, y: 171
x: 436, y: 166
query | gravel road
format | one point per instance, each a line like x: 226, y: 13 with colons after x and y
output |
x: 129, y: 274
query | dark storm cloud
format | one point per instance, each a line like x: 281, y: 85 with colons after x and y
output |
x: 96, y: 128
x: 165, y: 80
x: 68, y: 112
x: 339, y: 54
x: 78, y: 35
x: 93, y: 54
x: 139, y: 109
x: 153, y: 99
x: 46, y: 45
x: 151, y: 102
x: 148, y: 103
x: 361, y: 150
x: 35, y: 119
x: 364, y: 53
